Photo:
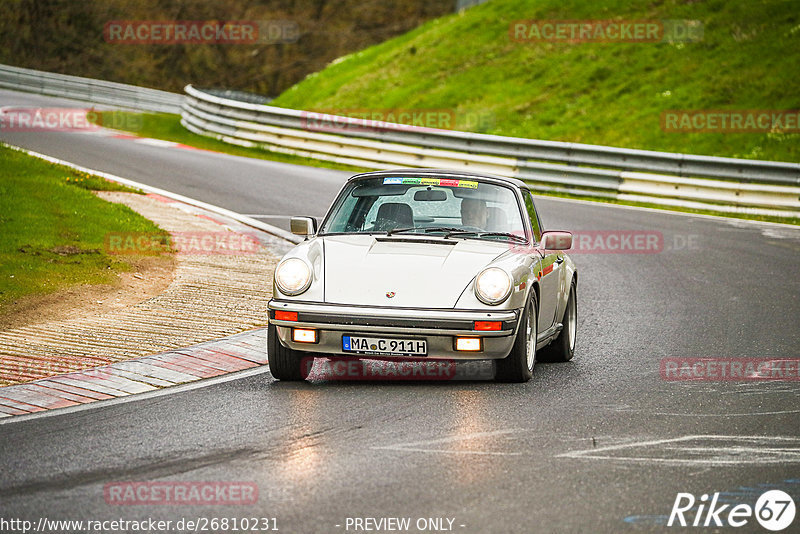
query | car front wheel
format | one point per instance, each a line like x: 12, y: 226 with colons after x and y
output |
x: 562, y: 349
x: 518, y: 365
x: 285, y: 363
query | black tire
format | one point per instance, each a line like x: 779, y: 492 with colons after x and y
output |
x: 285, y: 363
x: 562, y: 348
x: 516, y: 367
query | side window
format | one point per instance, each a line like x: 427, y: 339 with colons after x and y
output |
x: 533, y: 216
x: 344, y: 224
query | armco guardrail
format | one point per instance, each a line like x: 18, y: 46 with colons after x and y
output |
x: 679, y: 180
x: 89, y: 90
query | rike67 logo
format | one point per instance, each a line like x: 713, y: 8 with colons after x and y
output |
x: 774, y: 510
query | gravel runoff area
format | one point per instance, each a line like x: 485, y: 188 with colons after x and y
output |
x: 212, y: 295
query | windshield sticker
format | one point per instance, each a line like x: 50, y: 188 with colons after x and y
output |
x: 430, y: 181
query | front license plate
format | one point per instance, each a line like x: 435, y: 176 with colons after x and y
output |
x: 383, y: 345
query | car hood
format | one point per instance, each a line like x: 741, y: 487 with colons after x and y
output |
x: 419, y: 272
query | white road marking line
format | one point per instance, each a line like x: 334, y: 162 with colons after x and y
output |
x: 737, y: 454
x: 688, y: 462
x: 725, y: 414
x: 445, y: 451
x: 415, y: 445
x: 155, y: 142
x: 263, y: 216
x: 140, y: 396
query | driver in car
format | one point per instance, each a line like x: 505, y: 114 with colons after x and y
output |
x: 474, y: 213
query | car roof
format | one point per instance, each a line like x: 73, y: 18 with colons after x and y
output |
x: 422, y: 173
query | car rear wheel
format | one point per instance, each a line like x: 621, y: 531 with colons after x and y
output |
x: 562, y: 349
x: 285, y: 363
x: 518, y: 365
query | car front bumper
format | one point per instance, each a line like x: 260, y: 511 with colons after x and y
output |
x: 438, y: 327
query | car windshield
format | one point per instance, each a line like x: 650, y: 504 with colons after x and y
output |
x: 434, y: 206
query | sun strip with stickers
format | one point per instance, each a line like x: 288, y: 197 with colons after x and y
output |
x: 431, y: 181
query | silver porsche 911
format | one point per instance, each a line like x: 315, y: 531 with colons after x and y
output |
x: 427, y: 264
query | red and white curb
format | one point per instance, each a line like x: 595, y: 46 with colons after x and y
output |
x: 236, y: 353
x: 160, y: 143
x: 200, y: 365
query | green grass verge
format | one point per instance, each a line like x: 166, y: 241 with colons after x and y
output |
x: 609, y: 94
x: 52, y: 228
x: 168, y: 127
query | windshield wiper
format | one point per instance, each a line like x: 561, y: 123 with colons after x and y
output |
x: 479, y: 234
x: 459, y: 231
x: 452, y: 231
x: 447, y: 229
x: 515, y: 237
x: 401, y: 230
x: 426, y: 230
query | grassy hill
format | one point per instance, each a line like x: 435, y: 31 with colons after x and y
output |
x: 608, y: 93
x: 67, y: 36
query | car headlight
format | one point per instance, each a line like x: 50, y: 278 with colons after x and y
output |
x: 493, y: 286
x: 293, y: 276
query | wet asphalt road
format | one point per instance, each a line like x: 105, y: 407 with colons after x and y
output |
x: 600, y: 444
